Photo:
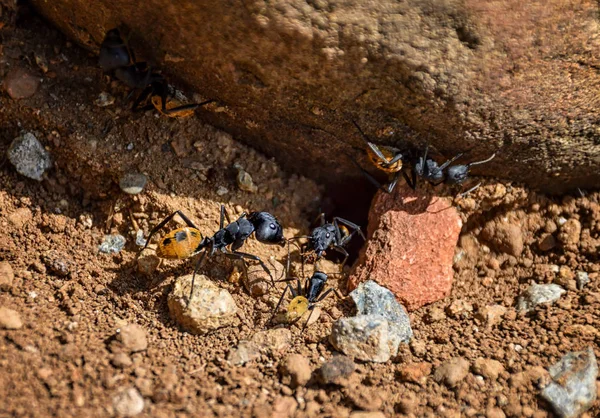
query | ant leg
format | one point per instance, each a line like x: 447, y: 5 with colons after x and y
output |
x: 351, y: 225
x: 164, y: 222
x: 447, y: 163
x: 224, y: 215
x: 279, y: 302
x: 142, y: 98
x: 327, y: 292
x: 463, y: 194
x: 241, y: 255
x: 340, y: 249
x: 196, y: 268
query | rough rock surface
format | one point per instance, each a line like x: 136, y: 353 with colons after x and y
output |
x: 479, y: 77
x: 573, y: 387
x: 365, y: 337
x: 370, y: 298
x: 539, y: 293
x: 209, y: 308
x: 411, y: 247
x: 29, y: 156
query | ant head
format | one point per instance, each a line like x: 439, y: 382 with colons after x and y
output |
x: 321, y: 238
x: 457, y: 174
x: 267, y: 228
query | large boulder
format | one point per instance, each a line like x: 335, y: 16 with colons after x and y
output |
x: 515, y: 77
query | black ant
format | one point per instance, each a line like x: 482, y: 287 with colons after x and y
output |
x: 304, y: 298
x: 188, y: 241
x: 430, y: 171
x: 394, y: 161
x: 328, y: 235
x: 116, y: 56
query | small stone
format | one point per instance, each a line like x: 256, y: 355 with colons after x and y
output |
x: 209, y: 307
x: 57, y: 264
x: 435, y: 315
x: 41, y: 62
x: 104, y: 99
x: 539, y: 293
x: 488, y: 368
x: 133, y: 337
x: 566, y: 273
x: 277, y: 339
x: 494, y: 413
x: 365, y: 337
x: 128, y: 402
x: 245, y: 183
x: 6, y: 275
x: 546, y: 242
x: 367, y: 414
x: 284, y: 407
x: 373, y: 299
x: 491, y: 315
x: 570, y: 232
x: 20, y: 84
x: 133, y: 183
x: 573, y: 387
x: 337, y: 370
x: 459, y: 309
x: 504, y: 237
x: 29, y: 156
x: 258, y: 281
x: 245, y: 352
x: 452, y: 372
x: 415, y: 372
x: 112, y: 244
x: 147, y: 262
x: 581, y: 277
x: 295, y: 371
x: 121, y: 360
x: 20, y: 217
x: 221, y: 191
x: 9, y: 319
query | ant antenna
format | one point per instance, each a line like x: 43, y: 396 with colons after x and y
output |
x: 482, y: 161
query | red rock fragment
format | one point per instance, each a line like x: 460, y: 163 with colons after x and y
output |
x: 20, y: 84
x: 411, y: 247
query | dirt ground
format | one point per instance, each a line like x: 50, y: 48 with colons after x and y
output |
x: 72, y: 298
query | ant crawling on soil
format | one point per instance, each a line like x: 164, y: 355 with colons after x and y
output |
x: 394, y: 161
x: 304, y: 298
x: 116, y: 56
x: 328, y: 235
x: 188, y: 241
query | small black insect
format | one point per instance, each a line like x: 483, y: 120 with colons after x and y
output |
x: 188, y: 241
x: 116, y: 56
x: 328, y: 235
x: 429, y: 170
x: 304, y: 297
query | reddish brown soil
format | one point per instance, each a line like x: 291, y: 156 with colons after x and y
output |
x: 59, y: 362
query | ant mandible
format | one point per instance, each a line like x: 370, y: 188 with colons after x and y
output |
x: 116, y: 56
x: 186, y: 242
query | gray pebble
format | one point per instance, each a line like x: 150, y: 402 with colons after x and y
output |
x: 371, y: 298
x: 29, y: 156
x: 112, y: 244
x: 539, y: 293
x: 365, y: 337
x: 573, y: 387
x: 128, y: 402
x: 133, y: 183
x: 582, y: 278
